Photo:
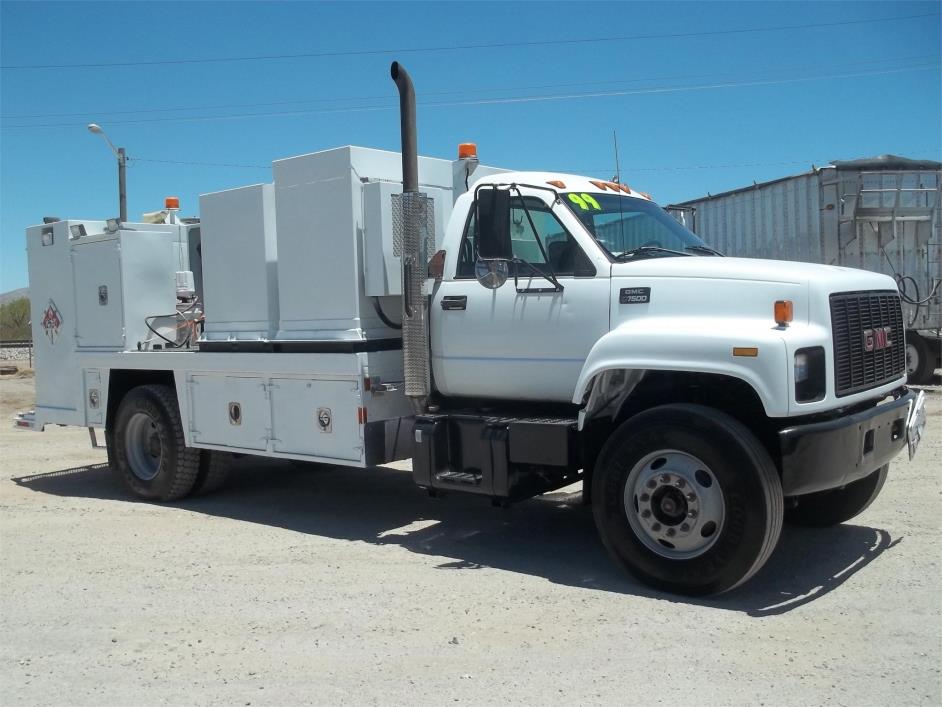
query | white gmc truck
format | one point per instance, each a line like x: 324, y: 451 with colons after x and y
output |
x: 510, y: 332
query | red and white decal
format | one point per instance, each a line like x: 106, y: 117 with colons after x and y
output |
x: 52, y: 320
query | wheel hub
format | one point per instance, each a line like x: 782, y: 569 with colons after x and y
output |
x: 674, y: 504
x: 143, y: 446
x: 669, y: 505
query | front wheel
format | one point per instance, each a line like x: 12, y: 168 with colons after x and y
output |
x: 687, y: 499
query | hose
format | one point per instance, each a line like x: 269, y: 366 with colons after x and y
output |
x: 382, y: 315
x: 178, y: 313
x: 916, y: 301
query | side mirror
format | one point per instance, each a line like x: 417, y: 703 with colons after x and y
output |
x: 493, y: 224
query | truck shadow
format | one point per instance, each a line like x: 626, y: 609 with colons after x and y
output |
x: 552, y: 536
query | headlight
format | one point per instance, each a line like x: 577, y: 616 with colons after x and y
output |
x: 809, y: 374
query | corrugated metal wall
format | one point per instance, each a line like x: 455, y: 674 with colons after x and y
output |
x: 778, y: 221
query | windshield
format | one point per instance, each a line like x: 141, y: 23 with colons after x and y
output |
x: 622, y: 224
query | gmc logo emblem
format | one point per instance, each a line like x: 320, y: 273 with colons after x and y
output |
x: 877, y: 339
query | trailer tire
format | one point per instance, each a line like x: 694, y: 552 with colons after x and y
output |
x: 214, y: 470
x: 148, y: 445
x: 835, y: 506
x: 687, y: 499
x: 920, y: 359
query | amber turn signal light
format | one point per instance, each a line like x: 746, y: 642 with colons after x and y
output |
x: 784, y: 312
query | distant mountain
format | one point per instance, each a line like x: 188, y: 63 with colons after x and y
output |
x: 14, y: 294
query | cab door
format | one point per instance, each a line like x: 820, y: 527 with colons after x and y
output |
x: 522, y: 341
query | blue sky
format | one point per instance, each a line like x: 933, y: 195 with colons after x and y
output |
x: 797, y: 95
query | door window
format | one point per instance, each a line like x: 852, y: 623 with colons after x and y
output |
x: 560, y: 249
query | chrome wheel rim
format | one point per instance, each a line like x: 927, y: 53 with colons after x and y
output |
x: 674, y: 504
x: 143, y: 445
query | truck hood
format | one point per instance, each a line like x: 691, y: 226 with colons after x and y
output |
x: 737, y: 287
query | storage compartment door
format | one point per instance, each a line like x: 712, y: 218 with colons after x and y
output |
x: 316, y: 418
x: 99, y: 310
x: 229, y: 410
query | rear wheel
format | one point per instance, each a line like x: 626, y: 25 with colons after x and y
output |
x: 687, y: 499
x: 147, y: 447
x: 920, y: 359
x: 214, y: 470
x: 837, y: 505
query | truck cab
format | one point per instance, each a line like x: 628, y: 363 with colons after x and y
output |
x: 582, y: 298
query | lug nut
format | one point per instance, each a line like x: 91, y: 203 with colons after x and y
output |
x: 645, y: 513
x: 671, y: 532
x: 656, y: 527
x: 685, y: 527
x: 665, y: 478
x: 679, y: 483
x: 691, y: 497
x: 692, y: 513
x: 645, y: 498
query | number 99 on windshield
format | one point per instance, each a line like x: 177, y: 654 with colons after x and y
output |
x: 585, y: 202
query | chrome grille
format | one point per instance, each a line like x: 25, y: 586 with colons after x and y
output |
x: 853, y: 314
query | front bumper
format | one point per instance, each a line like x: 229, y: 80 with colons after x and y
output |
x: 826, y: 455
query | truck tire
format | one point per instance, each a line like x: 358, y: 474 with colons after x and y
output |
x: 214, y: 469
x: 687, y: 499
x: 920, y: 359
x: 148, y: 448
x: 836, y: 506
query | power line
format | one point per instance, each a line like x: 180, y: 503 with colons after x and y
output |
x: 464, y: 91
x: 497, y: 100
x: 462, y: 47
x: 200, y: 164
x: 581, y: 170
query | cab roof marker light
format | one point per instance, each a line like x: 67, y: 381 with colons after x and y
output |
x: 600, y: 185
x: 557, y: 183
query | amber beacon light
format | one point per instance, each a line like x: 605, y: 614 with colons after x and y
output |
x: 784, y: 312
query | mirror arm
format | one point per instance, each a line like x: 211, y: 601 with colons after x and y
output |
x: 557, y: 287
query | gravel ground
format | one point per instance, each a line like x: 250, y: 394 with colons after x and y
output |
x: 331, y: 586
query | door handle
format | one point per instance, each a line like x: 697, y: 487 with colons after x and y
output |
x: 455, y: 302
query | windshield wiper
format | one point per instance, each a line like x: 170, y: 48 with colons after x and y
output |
x: 646, y: 250
x: 704, y: 249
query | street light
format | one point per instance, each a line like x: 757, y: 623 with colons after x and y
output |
x: 122, y: 169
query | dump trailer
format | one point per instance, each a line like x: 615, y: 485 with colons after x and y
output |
x: 882, y: 214
x: 509, y: 332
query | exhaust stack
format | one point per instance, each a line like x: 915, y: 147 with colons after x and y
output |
x: 414, y: 213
